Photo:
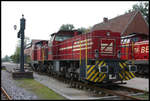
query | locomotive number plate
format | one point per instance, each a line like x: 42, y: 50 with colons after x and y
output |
x: 107, y: 46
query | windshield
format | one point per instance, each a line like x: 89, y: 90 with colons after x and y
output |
x: 124, y: 41
x: 135, y: 39
x: 62, y: 37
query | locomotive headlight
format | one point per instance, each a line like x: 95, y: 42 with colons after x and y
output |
x: 132, y: 68
x: 108, y: 33
x: 119, y: 54
x: 96, y: 54
x: 103, y: 69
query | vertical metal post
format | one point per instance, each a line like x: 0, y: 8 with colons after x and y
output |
x: 86, y: 50
x: 127, y: 50
x: 22, y: 53
x: 132, y: 53
x: 21, y: 32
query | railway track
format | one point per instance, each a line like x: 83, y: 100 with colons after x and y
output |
x: 5, y: 94
x: 124, y: 93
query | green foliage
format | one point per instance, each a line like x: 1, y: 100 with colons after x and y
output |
x: 88, y: 29
x: 67, y: 27
x: 70, y: 27
x: 143, y: 96
x: 143, y: 7
x: 27, y: 58
x: 16, y: 56
x: 84, y: 30
x: 6, y: 59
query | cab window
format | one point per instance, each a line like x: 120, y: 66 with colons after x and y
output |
x: 128, y: 41
x: 135, y: 39
x: 62, y: 37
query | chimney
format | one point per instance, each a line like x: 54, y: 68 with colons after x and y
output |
x: 105, y: 20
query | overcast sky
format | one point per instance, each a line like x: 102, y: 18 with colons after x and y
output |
x: 44, y: 18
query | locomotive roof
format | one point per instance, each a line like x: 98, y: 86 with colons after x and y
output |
x: 66, y: 32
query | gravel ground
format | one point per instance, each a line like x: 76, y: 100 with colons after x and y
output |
x: 17, y: 93
x: 10, y: 66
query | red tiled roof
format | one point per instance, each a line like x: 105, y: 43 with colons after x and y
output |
x: 117, y: 24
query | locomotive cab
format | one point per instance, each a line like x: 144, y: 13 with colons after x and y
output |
x: 58, y: 38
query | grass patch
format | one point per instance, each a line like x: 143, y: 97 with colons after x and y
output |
x: 39, y: 89
x: 143, y: 96
x: 3, y: 68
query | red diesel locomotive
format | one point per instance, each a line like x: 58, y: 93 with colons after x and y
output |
x: 94, y: 56
x: 135, y: 49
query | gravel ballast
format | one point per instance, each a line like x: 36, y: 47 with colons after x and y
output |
x: 16, y: 92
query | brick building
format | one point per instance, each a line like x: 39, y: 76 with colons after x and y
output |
x: 128, y: 23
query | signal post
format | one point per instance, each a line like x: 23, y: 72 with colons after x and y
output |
x: 21, y: 73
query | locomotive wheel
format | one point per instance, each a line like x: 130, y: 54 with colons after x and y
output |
x: 38, y: 68
x: 32, y: 67
x: 44, y: 68
x: 48, y: 69
x: 35, y: 67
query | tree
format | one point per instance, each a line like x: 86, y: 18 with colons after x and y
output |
x: 84, y: 30
x: 67, y: 27
x: 6, y: 59
x: 143, y: 7
x: 88, y: 29
x: 70, y: 27
x: 16, y: 56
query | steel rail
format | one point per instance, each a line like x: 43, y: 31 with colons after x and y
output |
x: 5, y: 93
x: 119, y: 94
x: 134, y: 89
x: 111, y: 91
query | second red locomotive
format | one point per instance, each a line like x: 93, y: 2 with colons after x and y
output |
x: 135, y: 48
